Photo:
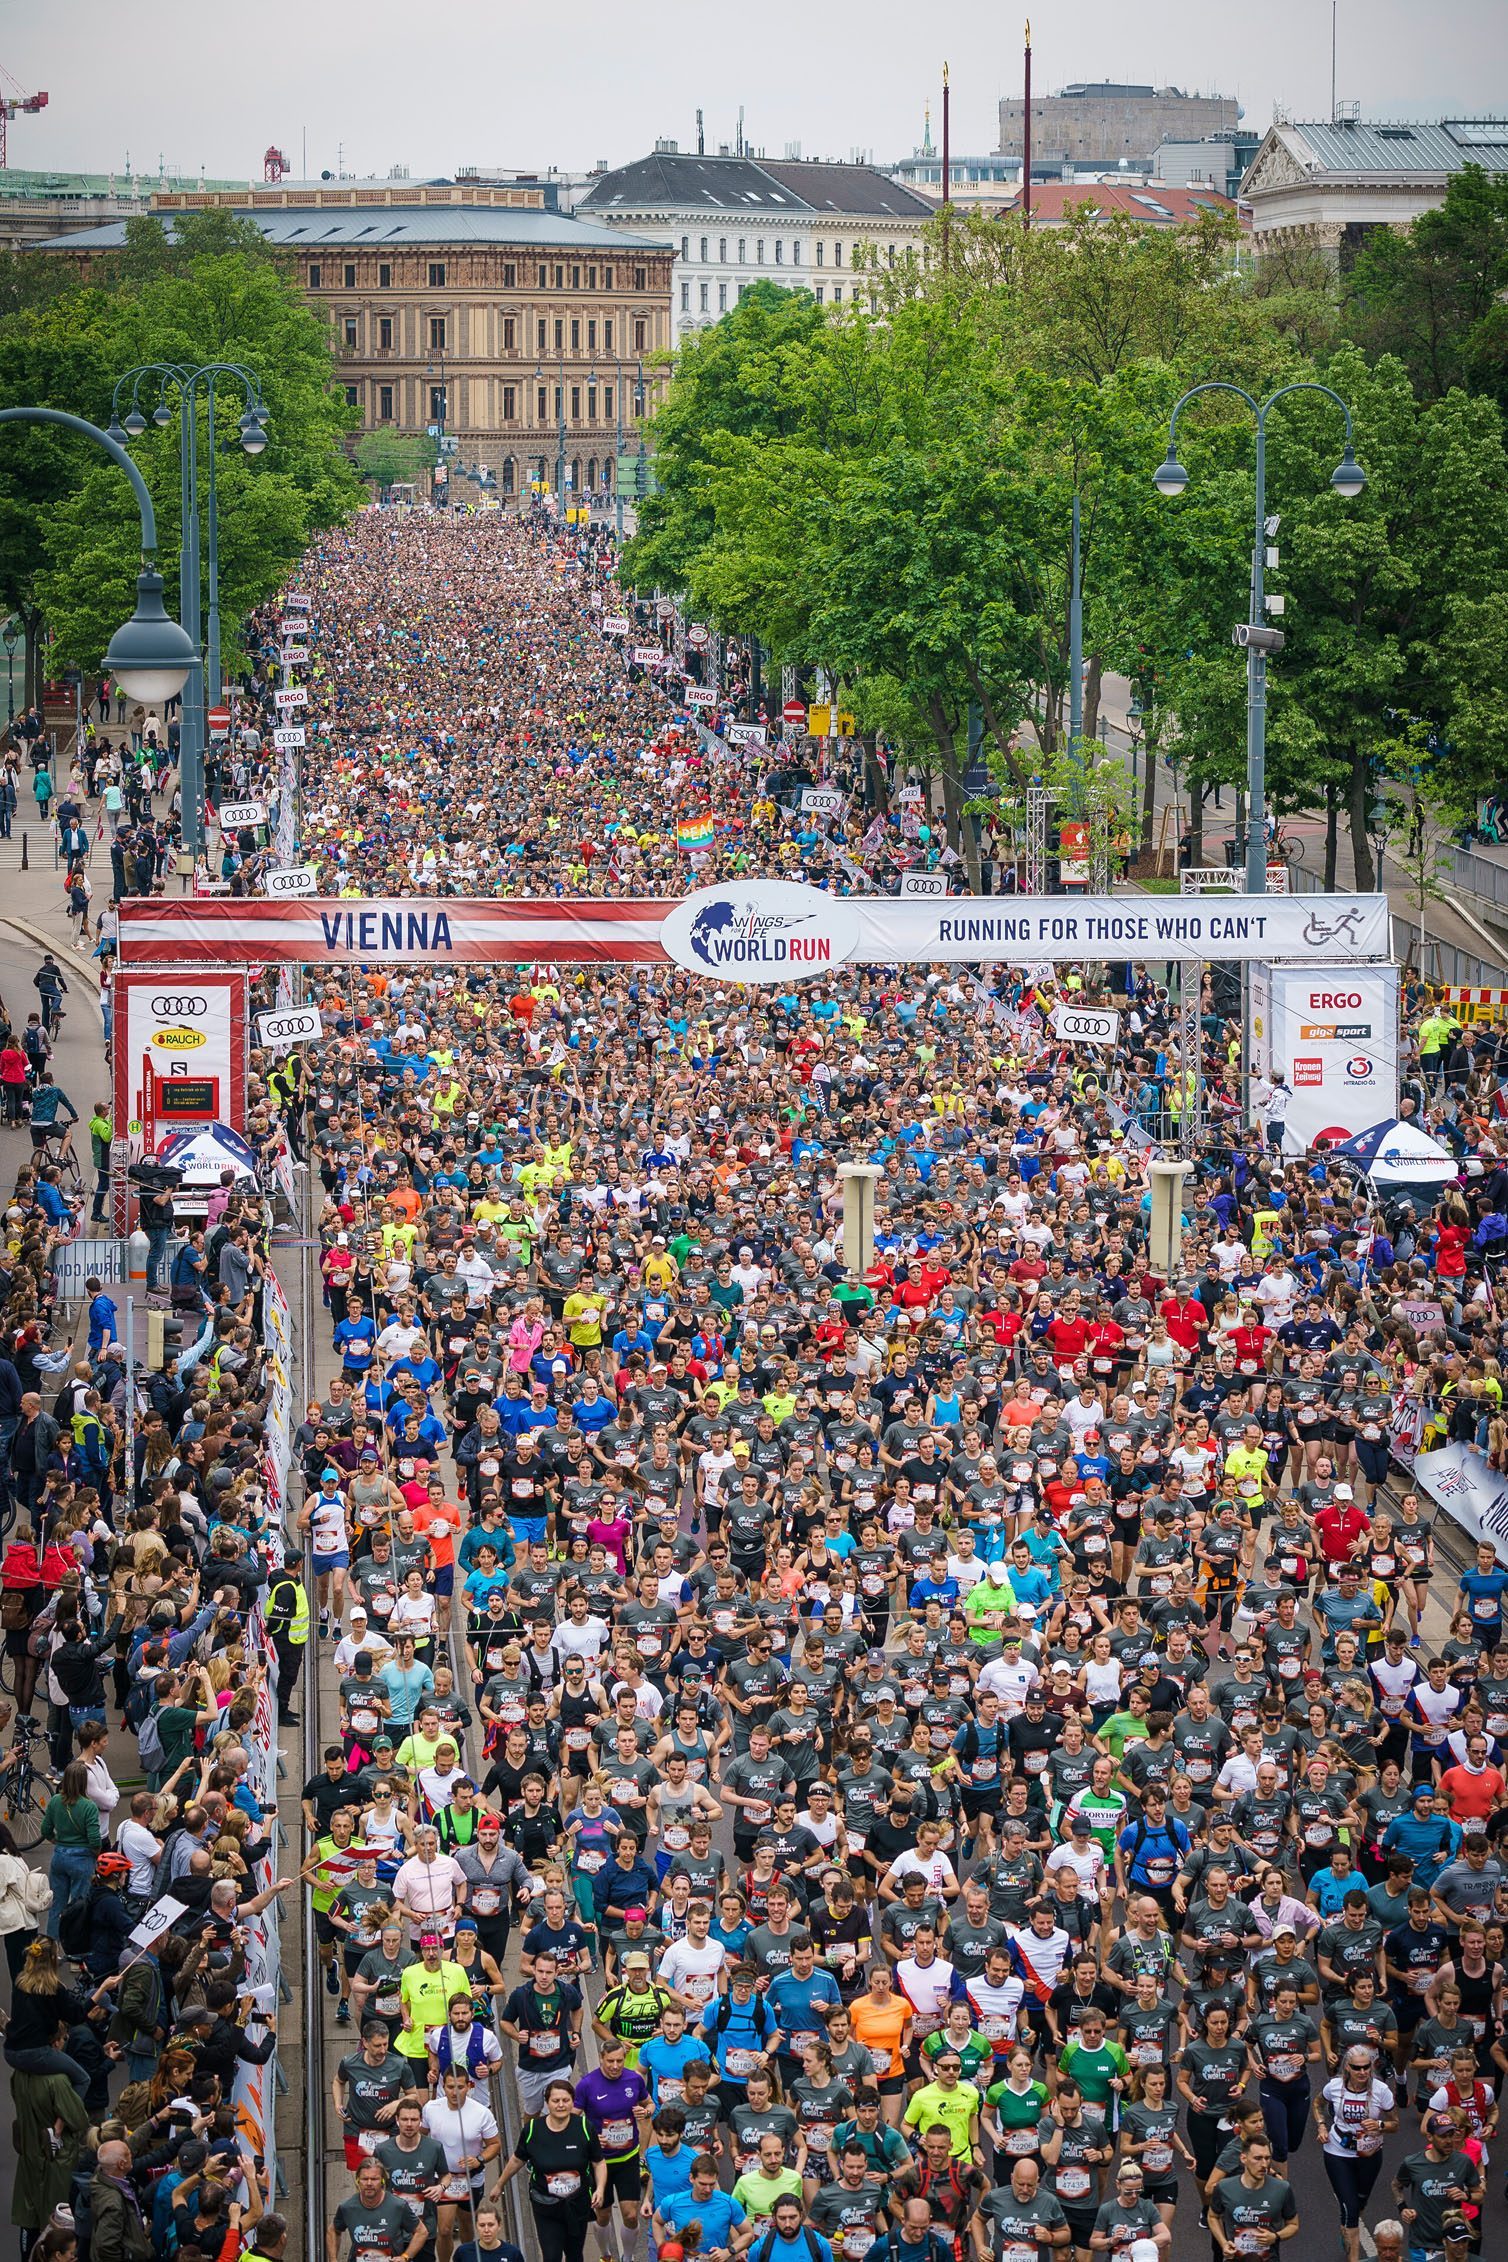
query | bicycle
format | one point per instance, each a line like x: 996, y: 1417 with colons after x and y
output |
x: 57, y: 1151
x: 25, y: 1787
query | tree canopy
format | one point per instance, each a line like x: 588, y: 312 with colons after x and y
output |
x: 69, y: 529
x: 884, y: 490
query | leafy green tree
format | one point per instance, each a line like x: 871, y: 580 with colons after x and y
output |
x: 746, y: 376
x: 388, y: 458
x: 225, y: 307
x: 1433, y: 293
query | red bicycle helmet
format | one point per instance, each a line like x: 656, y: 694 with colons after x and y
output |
x: 112, y: 1865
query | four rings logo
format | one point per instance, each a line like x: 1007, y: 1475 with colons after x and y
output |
x: 180, y: 1008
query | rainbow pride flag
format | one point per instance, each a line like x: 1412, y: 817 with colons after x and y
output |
x: 695, y: 835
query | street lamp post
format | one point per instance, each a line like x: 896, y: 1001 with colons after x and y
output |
x: 150, y: 656
x: 618, y: 435
x: 9, y: 639
x: 1254, y: 635
x: 205, y: 686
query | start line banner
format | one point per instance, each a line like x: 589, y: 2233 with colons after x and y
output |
x: 757, y: 931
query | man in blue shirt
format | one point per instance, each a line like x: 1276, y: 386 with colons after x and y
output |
x: 356, y: 1340
x: 1481, y: 1590
x: 790, y: 2237
x: 718, y: 2212
x: 799, y: 1996
x: 101, y: 1315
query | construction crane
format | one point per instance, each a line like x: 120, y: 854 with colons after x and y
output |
x: 14, y: 101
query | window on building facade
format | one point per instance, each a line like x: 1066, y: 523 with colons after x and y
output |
x: 641, y: 336
x: 890, y: 255
x: 510, y: 276
x: 349, y: 274
x: 384, y: 404
x: 510, y: 401
x: 722, y: 251
x: 704, y: 251
x: 384, y: 277
x: 541, y: 406
x: 607, y: 400
x: 385, y: 332
x: 559, y: 402
x: 819, y: 294
x: 560, y: 278
x: 837, y: 255
x: 353, y: 396
x: 510, y: 333
x: 437, y: 333
x: 685, y: 298
x: 437, y: 404
x: 348, y: 330
x: 575, y: 278
x: 685, y: 247
x: 821, y: 250
x: 575, y: 337
x: 607, y: 337
x: 543, y: 277
x: 315, y: 274
x: 837, y: 294
x: 509, y: 475
x: 722, y: 298
x: 591, y: 278
x: 796, y: 253
x: 539, y: 337
x: 591, y: 337
x: 641, y: 278
x: 575, y: 404
x: 759, y: 252
x: 437, y: 274
x: 560, y: 337
x: 780, y: 251
x: 607, y: 278
x: 703, y: 291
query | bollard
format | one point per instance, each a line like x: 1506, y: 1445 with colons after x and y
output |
x: 25, y: 859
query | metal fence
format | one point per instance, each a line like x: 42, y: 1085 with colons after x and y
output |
x: 1479, y: 876
x: 74, y: 1261
x: 1441, y: 962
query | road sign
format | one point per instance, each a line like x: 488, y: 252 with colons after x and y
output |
x: 297, y: 879
x: 294, y: 696
x: 924, y: 883
x: 823, y: 800
x: 288, y: 741
x: 819, y: 721
x: 1082, y: 1025
x: 793, y: 712
x: 232, y: 815
x: 291, y: 1025
x: 218, y: 721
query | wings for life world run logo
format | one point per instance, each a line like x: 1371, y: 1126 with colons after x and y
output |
x: 767, y: 931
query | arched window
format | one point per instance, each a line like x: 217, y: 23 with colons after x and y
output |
x: 507, y: 475
x: 576, y: 474
x: 591, y: 474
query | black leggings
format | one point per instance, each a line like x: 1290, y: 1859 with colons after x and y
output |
x: 1351, y: 2180
x: 1206, y: 2138
x: 562, y: 2232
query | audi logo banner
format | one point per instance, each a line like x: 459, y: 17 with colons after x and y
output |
x: 179, y: 1044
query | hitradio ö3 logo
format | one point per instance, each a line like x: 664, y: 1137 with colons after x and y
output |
x: 1359, y: 1068
x: 765, y: 931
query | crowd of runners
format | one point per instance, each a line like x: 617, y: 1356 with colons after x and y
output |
x: 955, y: 1759
x: 963, y: 1756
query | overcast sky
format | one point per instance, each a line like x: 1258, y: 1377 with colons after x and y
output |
x: 383, y: 83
